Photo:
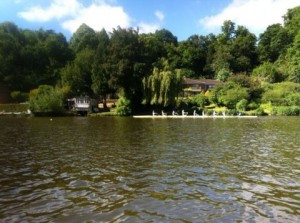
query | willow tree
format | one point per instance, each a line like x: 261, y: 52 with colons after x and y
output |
x: 162, y: 86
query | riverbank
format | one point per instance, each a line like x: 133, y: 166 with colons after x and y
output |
x: 192, y: 116
x: 14, y: 109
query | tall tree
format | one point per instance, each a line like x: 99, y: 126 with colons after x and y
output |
x: 291, y: 21
x: 273, y: 43
x: 243, y: 50
x: 84, y: 37
x: 163, y: 85
x: 10, y: 48
x: 100, y: 74
x: 77, y: 75
x: 193, y: 54
x: 165, y: 36
x: 235, y: 49
x: 125, y: 64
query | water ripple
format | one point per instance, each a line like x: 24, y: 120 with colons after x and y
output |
x: 127, y: 170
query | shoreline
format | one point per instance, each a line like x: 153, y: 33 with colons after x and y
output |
x: 191, y: 116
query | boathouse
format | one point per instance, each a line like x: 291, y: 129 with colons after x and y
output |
x: 195, y: 86
x: 81, y: 105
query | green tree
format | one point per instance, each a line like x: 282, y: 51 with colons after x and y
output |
x: 124, y: 106
x: 100, y: 74
x: 273, y: 43
x: 10, y: 48
x: 193, y: 54
x: 84, y: 38
x: 235, y: 49
x: 243, y: 50
x: 291, y: 21
x: 166, y: 37
x: 125, y: 64
x: 77, y: 75
x: 162, y: 86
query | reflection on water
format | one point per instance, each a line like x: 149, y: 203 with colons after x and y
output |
x: 124, y: 169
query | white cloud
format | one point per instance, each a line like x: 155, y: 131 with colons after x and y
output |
x: 57, y: 10
x: 256, y: 15
x: 71, y: 14
x: 99, y: 16
x: 160, y: 15
x: 148, y: 27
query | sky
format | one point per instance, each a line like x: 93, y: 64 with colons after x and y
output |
x: 182, y: 17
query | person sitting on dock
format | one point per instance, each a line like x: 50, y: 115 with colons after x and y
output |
x: 195, y: 113
x: 174, y: 113
x: 214, y: 113
x: 163, y: 113
x: 154, y: 113
x: 184, y: 113
x: 203, y: 113
x: 224, y: 113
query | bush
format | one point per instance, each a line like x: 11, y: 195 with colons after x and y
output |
x: 200, y: 100
x: 253, y: 105
x: 293, y: 99
x: 232, y: 96
x: 232, y: 112
x: 267, y: 72
x: 282, y: 94
x: 242, y: 105
x: 124, y: 107
x: 260, y: 111
x: 286, y: 110
x: 46, y: 99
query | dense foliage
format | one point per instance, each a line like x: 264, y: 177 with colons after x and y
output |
x: 150, y: 68
x: 46, y: 99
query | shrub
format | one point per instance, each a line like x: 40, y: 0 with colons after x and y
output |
x: 46, y: 99
x: 124, y: 107
x: 293, y: 99
x: 282, y: 94
x: 232, y: 96
x: 267, y: 72
x: 242, y: 105
x: 200, y: 100
x: 286, y: 110
x: 232, y: 112
x: 260, y: 111
x: 253, y: 105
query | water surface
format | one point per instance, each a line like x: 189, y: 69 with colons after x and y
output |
x: 146, y: 170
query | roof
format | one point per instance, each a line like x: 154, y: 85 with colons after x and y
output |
x: 189, y: 81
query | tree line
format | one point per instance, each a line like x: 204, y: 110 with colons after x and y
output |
x: 149, y: 68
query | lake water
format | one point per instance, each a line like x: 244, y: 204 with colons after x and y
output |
x: 79, y: 169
